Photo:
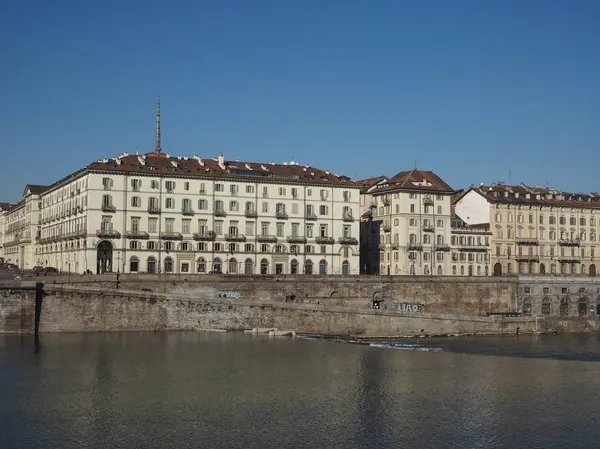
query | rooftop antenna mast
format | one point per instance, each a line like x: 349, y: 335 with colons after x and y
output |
x: 157, y: 148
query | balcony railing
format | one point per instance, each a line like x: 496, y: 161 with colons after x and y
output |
x: 251, y: 214
x: 527, y: 241
x: 386, y: 228
x: 108, y: 234
x: 428, y: 201
x: 266, y: 239
x: 442, y: 247
x: 415, y: 247
x: 281, y: 214
x: 349, y: 241
x: 473, y: 247
x: 325, y: 240
x: 153, y: 210
x: 310, y: 216
x: 137, y: 235
x: 220, y: 213
x: 105, y: 208
x: 169, y: 235
x: 296, y: 239
x: 385, y: 200
x: 347, y: 216
x: 428, y: 228
x: 205, y: 236
x: 527, y: 258
x: 569, y: 242
x: 187, y: 211
x: 569, y: 259
x: 235, y: 238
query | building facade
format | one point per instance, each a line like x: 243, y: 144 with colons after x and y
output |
x: 407, y: 229
x: 536, y: 230
x: 157, y: 213
x: 22, y: 228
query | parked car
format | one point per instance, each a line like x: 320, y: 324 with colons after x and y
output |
x: 38, y: 269
x: 50, y: 270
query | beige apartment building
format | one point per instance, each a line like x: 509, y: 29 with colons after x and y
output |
x: 407, y: 227
x: 536, y: 230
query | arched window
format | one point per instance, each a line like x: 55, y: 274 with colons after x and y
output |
x: 264, y: 266
x: 323, y: 267
x: 248, y: 266
x: 462, y: 270
x: 470, y: 270
x: 201, y: 265
x: 509, y: 269
x: 454, y: 270
x: 564, y: 307
x: 168, y: 265
x: 478, y: 270
x: 308, y: 267
x: 217, y: 266
x: 440, y: 270
x: 346, y: 268
x: 546, y: 306
x: 426, y: 270
x: 412, y: 270
x: 134, y: 265
x: 232, y: 266
x: 294, y: 266
x: 553, y: 268
x: 527, y: 307
x: 487, y: 270
x: 582, y: 307
x: 151, y: 265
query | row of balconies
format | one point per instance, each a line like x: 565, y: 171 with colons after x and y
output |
x: 426, y: 228
x: 428, y: 200
x: 414, y: 246
x: 64, y: 214
x: 535, y: 241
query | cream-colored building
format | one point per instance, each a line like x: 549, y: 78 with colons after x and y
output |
x: 158, y: 213
x: 22, y: 228
x: 407, y: 228
x: 4, y: 208
x: 536, y: 230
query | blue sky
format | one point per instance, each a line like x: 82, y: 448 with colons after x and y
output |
x: 478, y: 91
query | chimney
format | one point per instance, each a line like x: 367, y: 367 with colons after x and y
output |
x: 221, y: 160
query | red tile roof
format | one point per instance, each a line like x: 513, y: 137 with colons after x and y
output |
x: 155, y: 164
x: 416, y: 180
x: 538, y: 196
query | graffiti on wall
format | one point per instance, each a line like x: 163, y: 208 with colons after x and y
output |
x: 230, y: 295
x: 406, y: 307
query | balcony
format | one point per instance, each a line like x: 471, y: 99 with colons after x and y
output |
x: 428, y: 228
x: 220, y: 213
x: 395, y: 246
x: 527, y: 258
x: 105, y: 208
x: 251, y: 214
x: 442, y: 248
x: 386, y: 201
x: 281, y: 214
x: 140, y: 235
x: 347, y: 216
x: 80, y: 233
x: 205, y: 236
x: 428, y: 200
x: 383, y: 245
x: 153, y: 210
x: 266, y: 239
x: 386, y: 228
x: 188, y: 212
x: 325, y: 240
x: 473, y: 247
x: 569, y: 259
x: 413, y: 246
x: 310, y: 216
x: 108, y: 234
x: 569, y: 242
x: 351, y: 241
x: 171, y: 235
x: 527, y: 241
x: 235, y: 238
x: 296, y: 239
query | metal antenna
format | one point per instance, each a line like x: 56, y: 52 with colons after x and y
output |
x: 157, y: 148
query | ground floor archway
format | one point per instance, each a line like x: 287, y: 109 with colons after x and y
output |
x: 498, y: 269
x: 592, y: 270
x: 104, y: 257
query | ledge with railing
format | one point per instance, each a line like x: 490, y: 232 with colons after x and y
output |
x: 141, y: 235
x: 266, y: 239
x: 569, y: 242
x: 105, y: 208
x: 205, y: 236
x: 527, y: 241
x: 235, y: 238
x: 348, y: 240
x: 108, y: 234
x: 168, y: 235
x: 296, y: 239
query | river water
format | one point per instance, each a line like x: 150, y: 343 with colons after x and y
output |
x: 206, y: 390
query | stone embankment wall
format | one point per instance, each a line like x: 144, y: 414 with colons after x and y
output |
x: 17, y: 306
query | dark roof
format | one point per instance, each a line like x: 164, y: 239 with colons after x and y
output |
x: 160, y: 163
x: 36, y: 189
x: 6, y: 206
x: 366, y: 184
x: 538, y: 196
x: 415, y: 180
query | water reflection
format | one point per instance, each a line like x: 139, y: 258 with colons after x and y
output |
x: 232, y: 391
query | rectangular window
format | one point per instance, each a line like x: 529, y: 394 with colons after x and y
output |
x: 265, y: 207
x: 264, y: 228
x: 279, y: 229
x: 186, y: 186
x: 219, y: 187
x: 152, y: 224
x: 249, y: 228
x: 218, y: 227
x: 135, y: 224
x: 169, y: 224
x: 185, y: 226
x: 249, y: 189
x: 295, y: 228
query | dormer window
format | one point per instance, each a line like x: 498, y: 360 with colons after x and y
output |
x: 527, y: 196
x: 516, y: 195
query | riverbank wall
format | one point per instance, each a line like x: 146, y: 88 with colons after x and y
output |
x: 358, y: 306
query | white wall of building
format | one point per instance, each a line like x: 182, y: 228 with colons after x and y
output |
x: 473, y: 209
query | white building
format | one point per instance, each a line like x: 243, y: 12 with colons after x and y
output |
x: 157, y: 213
x: 409, y: 219
x: 21, y: 228
x: 4, y: 208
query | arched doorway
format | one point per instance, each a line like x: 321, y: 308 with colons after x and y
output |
x: 412, y: 270
x: 104, y: 255
x: 582, y: 307
x: 345, y: 268
x: 308, y: 267
x: 498, y: 269
x: 542, y: 268
x: 564, y: 307
x: 134, y: 264
x: 264, y: 266
x: 248, y: 267
x: 593, y: 270
x: 151, y: 265
x: 217, y: 266
x: 470, y: 270
x: 323, y: 266
x: 233, y: 265
x: 168, y: 265
x: 546, y: 306
x: 201, y: 265
x: 294, y: 266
